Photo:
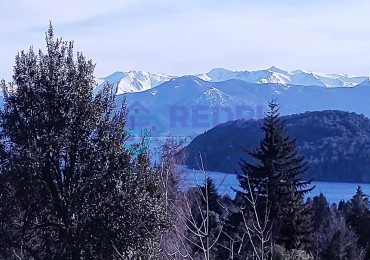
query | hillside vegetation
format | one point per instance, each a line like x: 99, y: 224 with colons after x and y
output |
x: 336, y: 145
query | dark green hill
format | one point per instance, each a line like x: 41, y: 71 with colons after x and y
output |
x: 336, y: 145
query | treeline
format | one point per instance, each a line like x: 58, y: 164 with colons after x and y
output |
x: 336, y: 145
x: 332, y: 232
x: 70, y: 188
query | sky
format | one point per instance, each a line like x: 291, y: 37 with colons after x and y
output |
x: 181, y: 37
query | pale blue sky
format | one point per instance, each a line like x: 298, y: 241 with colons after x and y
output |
x: 192, y: 36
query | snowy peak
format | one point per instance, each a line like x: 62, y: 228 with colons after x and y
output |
x: 134, y: 81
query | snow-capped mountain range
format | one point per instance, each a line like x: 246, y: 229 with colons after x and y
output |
x: 188, y: 106
x: 137, y: 81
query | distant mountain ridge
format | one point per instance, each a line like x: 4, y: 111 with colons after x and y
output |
x: 279, y: 76
x: 137, y: 81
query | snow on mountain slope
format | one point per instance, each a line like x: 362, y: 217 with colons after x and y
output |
x: 137, y: 81
x: 276, y: 75
x: 216, y: 98
x: 133, y: 81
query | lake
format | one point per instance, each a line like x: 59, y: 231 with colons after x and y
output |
x: 333, y: 191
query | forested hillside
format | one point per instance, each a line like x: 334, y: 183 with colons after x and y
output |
x: 336, y: 144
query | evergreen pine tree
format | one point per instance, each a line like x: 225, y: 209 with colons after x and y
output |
x: 319, y: 210
x: 70, y: 190
x: 359, y: 206
x: 333, y: 237
x: 357, y: 214
x: 295, y: 225
x: 275, y: 180
x: 209, y: 190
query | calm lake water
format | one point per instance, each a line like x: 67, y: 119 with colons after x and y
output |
x: 333, y: 191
